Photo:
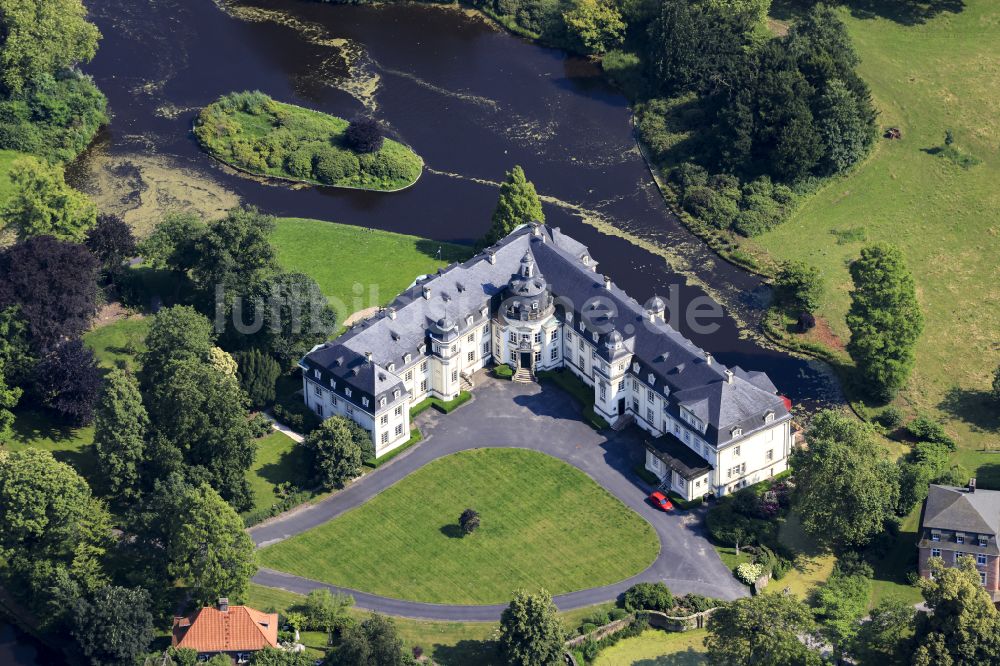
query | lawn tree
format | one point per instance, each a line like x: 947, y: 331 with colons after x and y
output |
x: 530, y: 631
x: 799, y: 285
x: 884, y: 318
x: 203, y: 413
x: 884, y: 640
x: 173, y: 243
x: 995, y: 388
x: 649, y: 596
x: 843, y: 460
x: 839, y: 605
x: 43, y: 37
x: 43, y: 204
x: 469, y: 521
x: 297, y: 316
x: 234, y: 254
x: 113, y: 626
x: 364, y: 135
x: 68, y: 382
x: 53, y: 533
x: 373, y: 642
x: 596, y: 25
x: 963, y: 626
x: 177, y: 333
x: 765, y: 629
x: 111, y: 241
x: 258, y: 374
x: 209, y: 548
x: 120, y: 426
x: 55, y: 285
x: 327, y: 611
x: 337, y: 449
x: 9, y: 396
x: 518, y: 204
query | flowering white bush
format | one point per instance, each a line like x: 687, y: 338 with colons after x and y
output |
x: 747, y: 573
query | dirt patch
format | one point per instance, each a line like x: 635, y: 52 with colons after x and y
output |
x: 110, y: 313
x: 360, y: 315
x: 824, y: 335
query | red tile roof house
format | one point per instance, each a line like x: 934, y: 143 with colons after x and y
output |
x: 237, y: 631
x: 962, y: 521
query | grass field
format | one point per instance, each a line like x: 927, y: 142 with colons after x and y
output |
x: 656, y: 648
x: 544, y: 524
x: 928, y: 74
x: 268, y: 138
x: 117, y: 344
x: 278, y: 460
x: 357, y: 268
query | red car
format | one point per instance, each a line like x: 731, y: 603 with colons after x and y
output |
x: 660, y: 501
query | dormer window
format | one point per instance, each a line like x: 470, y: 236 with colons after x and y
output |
x: 737, y: 432
x: 381, y: 402
x: 315, y: 373
x: 406, y: 359
x: 635, y: 368
x: 392, y: 367
x: 364, y: 402
x: 983, y: 541
x: 769, y: 417
x: 333, y: 384
x: 347, y: 392
x: 395, y: 394
x: 935, y: 535
x: 569, y: 317
x: 652, y: 379
x: 581, y: 326
x: 534, y: 305
x: 484, y: 311
x: 595, y: 336
x: 468, y: 320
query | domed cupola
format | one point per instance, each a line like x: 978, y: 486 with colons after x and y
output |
x: 444, y: 329
x: 527, y: 296
x: 614, y: 341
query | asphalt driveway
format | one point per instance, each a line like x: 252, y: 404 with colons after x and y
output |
x: 546, y: 419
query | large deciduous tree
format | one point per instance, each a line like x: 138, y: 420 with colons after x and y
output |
x: 55, y: 285
x: 9, y: 396
x: 799, y: 285
x: 596, y: 25
x: 120, y: 426
x: 177, y: 333
x: 765, y: 629
x: 235, y: 254
x: 209, y: 548
x: 42, y: 37
x: 844, y: 461
x: 173, y: 242
x: 111, y: 241
x: 518, y: 204
x: 68, y: 381
x: 884, y: 318
x: 839, y: 604
x: 337, y: 448
x: 296, y: 318
x: 530, y: 631
x: 43, y: 204
x: 326, y: 610
x: 884, y: 639
x: 373, y: 642
x: 114, y: 626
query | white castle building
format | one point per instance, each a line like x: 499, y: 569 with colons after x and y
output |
x: 535, y: 301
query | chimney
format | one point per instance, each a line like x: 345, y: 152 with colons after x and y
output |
x: 427, y: 292
x: 607, y: 282
x: 708, y: 358
x: 223, y: 604
x: 493, y: 257
x: 392, y: 313
x: 536, y: 228
x: 972, y: 485
x: 368, y: 356
x: 729, y: 376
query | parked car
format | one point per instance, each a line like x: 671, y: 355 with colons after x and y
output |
x: 660, y: 501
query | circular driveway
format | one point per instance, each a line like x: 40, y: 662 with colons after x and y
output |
x: 531, y: 416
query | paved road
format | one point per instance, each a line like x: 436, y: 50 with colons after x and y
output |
x: 506, y: 414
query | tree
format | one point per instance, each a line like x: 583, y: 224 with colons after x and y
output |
x: 761, y: 630
x: 843, y: 460
x: 596, y: 24
x: 41, y: 203
x: 16, y: 359
x: 279, y: 657
x: 120, y: 426
x: 846, y: 136
x: 202, y: 413
x: 364, y: 135
x: 884, y: 639
x: 297, y: 316
x: 235, y: 253
x: 649, y: 596
x: 115, y: 626
x: 799, y: 285
x: 518, y: 204
x: 530, y: 631
x: 995, y: 390
x: 327, y: 611
x: 373, y: 642
x: 173, y: 242
x: 209, y: 549
x: 177, y: 333
x: 884, y: 318
x: 469, y: 521
x: 337, y: 449
x: 111, y: 241
x: 949, y: 137
x: 222, y: 361
x: 68, y: 381
x: 839, y: 605
x: 258, y: 374
x: 9, y: 396
x: 55, y: 285
x: 43, y: 37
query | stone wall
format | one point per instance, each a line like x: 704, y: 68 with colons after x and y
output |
x: 679, y: 623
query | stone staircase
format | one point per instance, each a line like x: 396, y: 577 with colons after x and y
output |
x: 465, y: 382
x: 623, y: 422
x: 524, y: 376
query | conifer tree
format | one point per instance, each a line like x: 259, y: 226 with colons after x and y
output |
x: 518, y: 204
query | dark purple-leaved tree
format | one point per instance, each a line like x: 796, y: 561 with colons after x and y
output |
x: 68, y: 382
x: 112, y: 242
x: 364, y: 135
x: 55, y: 284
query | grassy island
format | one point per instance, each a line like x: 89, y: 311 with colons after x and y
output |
x: 254, y: 133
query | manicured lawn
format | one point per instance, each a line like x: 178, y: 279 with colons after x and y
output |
x: 269, y: 138
x: 36, y: 429
x: 279, y: 460
x: 544, y: 524
x: 357, y: 268
x: 926, y: 77
x: 656, y: 648
x: 117, y: 344
x: 891, y: 570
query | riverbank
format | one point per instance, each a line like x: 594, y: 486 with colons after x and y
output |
x: 255, y: 134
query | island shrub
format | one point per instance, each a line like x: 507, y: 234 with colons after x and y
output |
x: 331, y: 165
x: 364, y: 135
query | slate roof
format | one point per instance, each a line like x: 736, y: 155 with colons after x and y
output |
x: 341, y: 367
x: 679, y: 456
x: 679, y: 367
x: 956, y: 509
x: 239, y: 629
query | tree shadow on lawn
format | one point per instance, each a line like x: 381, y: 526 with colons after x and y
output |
x: 482, y: 653
x: 687, y: 658
x: 904, y: 12
x: 289, y: 467
x: 975, y: 407
x: 452, y: 531
x: 450, y: 251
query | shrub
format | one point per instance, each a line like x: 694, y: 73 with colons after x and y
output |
x: 649, y: 596
x: 926, y: 429
x: 799, y: 285
x: 891, y: 417
x: 364, y: 135
x: 587, y: 627
x: 624, y: 70
x: 617, y: 614
x: 331, y: 165
x: 299, y: 162
x: 697, y: 603
x: 258, y: 374
x: 469, y: 521
x: 600, y: 618
x: 503, y: 371
x: 747, y: 573
x: 590, y: 650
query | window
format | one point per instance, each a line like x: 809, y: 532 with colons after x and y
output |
x: 935, y: 536
x: 737, y: 432
x: 333, y: 399
x: 318, y: 391
x: 364, y: 401
x: 538, y: 337
x: 581, y: 344
x: 768, y: 417
x: 316, y: 373
x: 635, y: 385
x: 472, y: 356
x: 983, y: 541
x: 513, y: 357
x: 534, y: 305
x: 729, y: 473
x: 454, y: 375
x: 406, y: 359
x: 935, y: 552
x: 472, y: 337
x: 423, y: 367
x: 569, y: 336
x: 486, y: 348
x: 347, y: 392
x: 486, y: 329
x: 980, y: 559
x: 319, y: 410
x: 385, y: 438
x: 554, y: 334
x: 604, y: 392
x: 423, y: 385
x: 959, y: 538
x: 594, y: 336
x: 399, y: 410
x: 333, y: 384
x: 399, y: 429
x: 649, y: 395
x: 736, y: 450
x: 554, y: 353
x: 687, y: 437
x: 384, y: 420
x: 392, y: 367
x: 649, y: 415
x: 409, y: 376
x: 538, y: 357
x: 525, y: 337
x: 350, y: 410
x: 982, y: 578
x: 769, y: 455
x: 381, y: 402
x: 621, y: 385
x: 395, y: 394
